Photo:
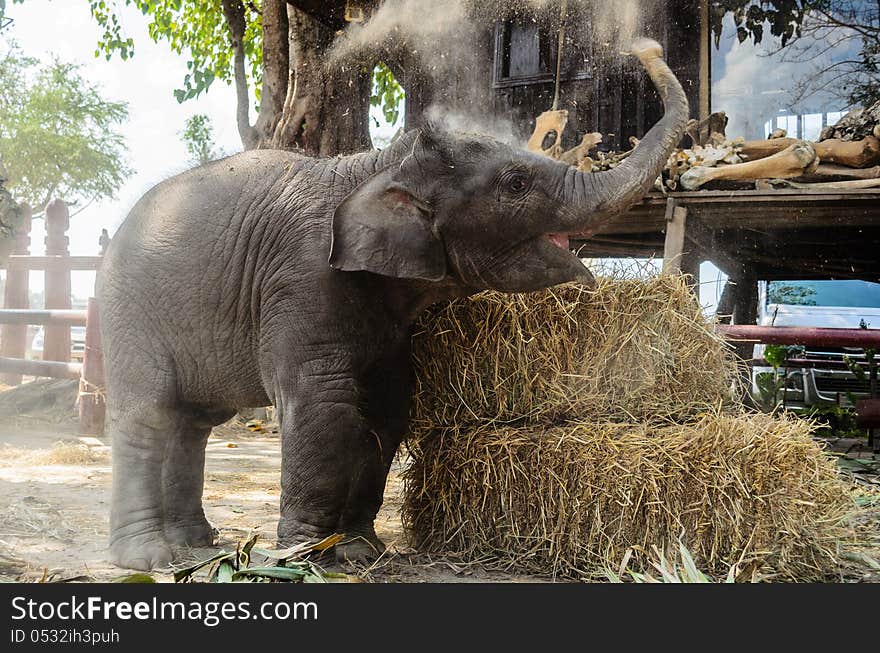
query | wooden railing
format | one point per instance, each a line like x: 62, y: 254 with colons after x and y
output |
x: 57, y: 318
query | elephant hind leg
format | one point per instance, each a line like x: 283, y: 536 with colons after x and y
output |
x: 139, y: 438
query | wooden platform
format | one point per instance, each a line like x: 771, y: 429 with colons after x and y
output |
x: 783, y: 234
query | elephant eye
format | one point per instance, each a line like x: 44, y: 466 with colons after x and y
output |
x: 517, y: 183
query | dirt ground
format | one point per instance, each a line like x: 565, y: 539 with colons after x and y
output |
x: 55, y: 493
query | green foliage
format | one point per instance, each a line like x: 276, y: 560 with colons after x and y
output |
x: 198, y: 136
x: 58, y: 135
x: 778, y: 355
x: 868, y: 91
x: 784, y: 16
x: 196, y: 29
x: 834, y: 421
x: 771, y: 383
x: 387, y: 93
x: 287, y: 565
x: 779, y: 293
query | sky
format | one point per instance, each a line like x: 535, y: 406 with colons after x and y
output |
x: 146, y: 82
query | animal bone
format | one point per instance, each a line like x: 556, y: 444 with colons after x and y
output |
x: 794, y: 161
x: 826, y: 170
x: 855, y: 154
x: 545, y: 124
x: 855, y: 184
x: 576, y: 155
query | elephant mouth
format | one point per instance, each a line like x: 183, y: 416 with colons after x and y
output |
x: 560, y: 240
x: 563, y: 240
x: 560, y: 256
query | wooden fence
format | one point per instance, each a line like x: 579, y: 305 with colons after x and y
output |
x: 56, y: 319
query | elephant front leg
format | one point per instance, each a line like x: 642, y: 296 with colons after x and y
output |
x: 331, y: 460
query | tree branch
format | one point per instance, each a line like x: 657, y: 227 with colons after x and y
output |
x: 233, y: 11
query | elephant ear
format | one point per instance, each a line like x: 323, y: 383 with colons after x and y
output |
x: 381, y: 227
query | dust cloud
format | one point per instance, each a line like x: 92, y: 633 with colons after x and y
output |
x: 446, y: 40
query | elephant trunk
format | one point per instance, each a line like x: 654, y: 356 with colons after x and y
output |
x: 596, y: 197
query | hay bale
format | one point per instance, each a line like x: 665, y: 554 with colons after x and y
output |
x: 566, y: 431
x: 629, y: 349
x: 572, y: 500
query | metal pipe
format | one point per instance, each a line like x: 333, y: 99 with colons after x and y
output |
x: 809, y: 336
x: 31, y: 316
x: 814, y: 363
x: 51, y: 369
x: 27, y: 262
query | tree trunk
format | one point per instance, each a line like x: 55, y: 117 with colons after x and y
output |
x: 327, y: 107
x: 305, y: 104
x: 11, y: 217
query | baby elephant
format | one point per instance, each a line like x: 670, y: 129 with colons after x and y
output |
x: 269, y: 277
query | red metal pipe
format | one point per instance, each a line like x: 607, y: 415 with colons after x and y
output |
x: 809, y: 336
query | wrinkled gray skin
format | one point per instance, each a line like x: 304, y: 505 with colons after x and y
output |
x: 217, y: 294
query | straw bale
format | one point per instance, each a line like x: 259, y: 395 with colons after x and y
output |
x: 573, y: 500
x: 629, y: 349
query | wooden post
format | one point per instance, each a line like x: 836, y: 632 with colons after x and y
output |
x: 724, y: 312
x: 13, y: 337
x: 745, y: 306
x: 673, y: 250
x: 92, y: 404
x: 56, y: 346
x: 690, y: 266
x: 745, y: 298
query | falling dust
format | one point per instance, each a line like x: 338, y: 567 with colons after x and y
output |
x: 447, y: 43
x: 429, y: 27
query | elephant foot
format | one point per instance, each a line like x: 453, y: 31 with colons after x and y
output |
x: 360, y: 545
x: 360, y: 550
x: 142, y: 552
x: 193, y: 533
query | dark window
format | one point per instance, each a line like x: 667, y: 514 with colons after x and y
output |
x: 525, y: 53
